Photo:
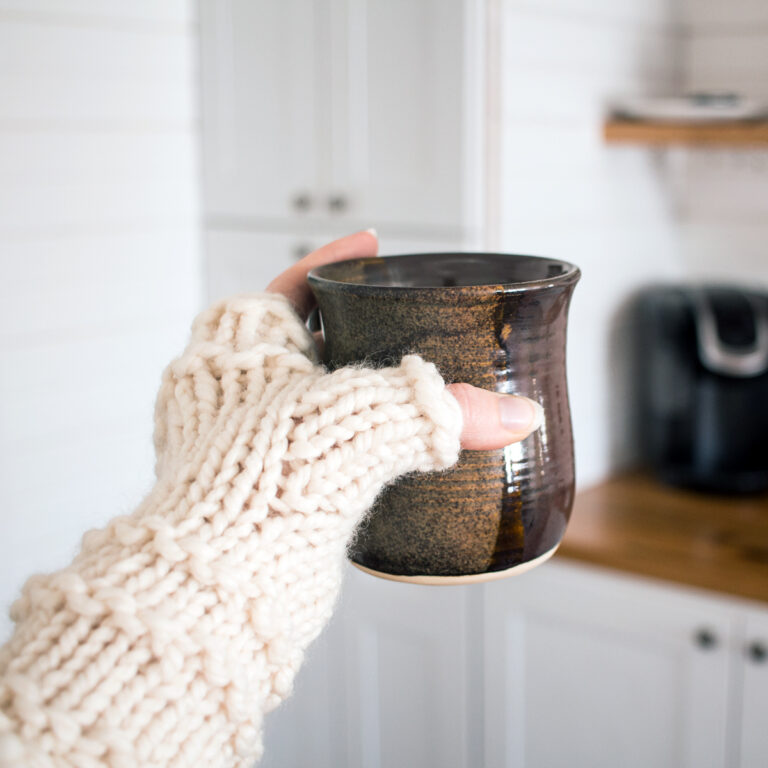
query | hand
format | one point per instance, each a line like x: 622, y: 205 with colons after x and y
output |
x: 491, y: 420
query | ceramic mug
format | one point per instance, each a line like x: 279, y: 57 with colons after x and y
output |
x: 496, y: 321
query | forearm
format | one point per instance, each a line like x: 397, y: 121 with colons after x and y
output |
x: 179, y: 625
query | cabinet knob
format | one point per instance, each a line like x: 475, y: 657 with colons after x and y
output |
x: 705, y: 638
x: 302, y: 202
x: 757, y: 652
x: 301, y: 250
x: 338, y: 203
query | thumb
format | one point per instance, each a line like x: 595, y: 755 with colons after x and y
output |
x: 492, y: 420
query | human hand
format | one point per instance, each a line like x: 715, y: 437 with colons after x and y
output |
x: 187, y: 619
x: 490, y: 420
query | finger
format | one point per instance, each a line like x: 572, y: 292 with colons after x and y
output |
x: 491, y: 420
x: 293, y: 282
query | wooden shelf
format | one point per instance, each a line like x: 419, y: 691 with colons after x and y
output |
x: 736, y: 134
x: 632, y: 524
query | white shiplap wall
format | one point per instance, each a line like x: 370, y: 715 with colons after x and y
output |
x: 565, y: 194
x: 101, y: 270
x: 724, y: 193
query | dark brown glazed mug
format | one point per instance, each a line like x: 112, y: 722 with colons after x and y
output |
x: 492, y: 320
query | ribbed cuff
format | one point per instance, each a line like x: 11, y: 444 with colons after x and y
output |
x: 439, y: 407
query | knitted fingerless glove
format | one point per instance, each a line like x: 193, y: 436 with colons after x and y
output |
x: 178, y: 626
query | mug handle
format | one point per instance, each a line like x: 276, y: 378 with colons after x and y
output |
x: 314, y: 321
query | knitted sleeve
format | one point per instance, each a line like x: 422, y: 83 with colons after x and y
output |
x: 178, y: 626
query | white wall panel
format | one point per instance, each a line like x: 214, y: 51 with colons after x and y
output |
x: 716, y: 15
x: 565, y: 194
x: 65, y: 75
x: 724, y: 193
x: 730, y: 60
x: 172, y: 13
x: 101, y: 270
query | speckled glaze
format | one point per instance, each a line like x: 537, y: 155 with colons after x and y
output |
x: 492, y: 320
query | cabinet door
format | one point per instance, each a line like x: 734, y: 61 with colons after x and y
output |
x: 261, y: 97
x: 585, y: 669
x: 390, y: 245
x: 409, y: 701
x: 240, y: 261
x: 399, y: 88
x: 308, y: 729
x: 754, y: 711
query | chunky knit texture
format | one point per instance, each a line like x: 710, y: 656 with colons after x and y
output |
x: 178, y: 626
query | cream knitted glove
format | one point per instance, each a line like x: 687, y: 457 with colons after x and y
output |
x: 178, y: 626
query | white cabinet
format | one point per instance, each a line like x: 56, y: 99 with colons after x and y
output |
x: 239, y: 261
x: 242, y: 261
x: 356, y: 111
x: 587, y: 667
x: 408, y: 655
x: 590, y: 670
x: 391, y: 683
x: 399, y: 110
x: 261, y: 109
x: 753, y: 703
x: 563, y: 666
x: 307, y: 730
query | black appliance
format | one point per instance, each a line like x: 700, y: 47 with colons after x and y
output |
x: 702, y: 376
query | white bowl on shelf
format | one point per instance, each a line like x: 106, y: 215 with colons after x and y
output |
x: 694, y: 108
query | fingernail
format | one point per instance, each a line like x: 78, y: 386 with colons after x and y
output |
x: 519, y: 414
x: 373, y: 232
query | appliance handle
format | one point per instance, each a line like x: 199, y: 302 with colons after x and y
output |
x: 715, y: 355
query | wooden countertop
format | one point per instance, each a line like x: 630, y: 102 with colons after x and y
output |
x: 633, y: 524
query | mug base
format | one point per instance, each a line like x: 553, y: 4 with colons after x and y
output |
x: 470, y: 578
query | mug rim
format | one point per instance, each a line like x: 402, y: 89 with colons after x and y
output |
x: 571, y: 274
